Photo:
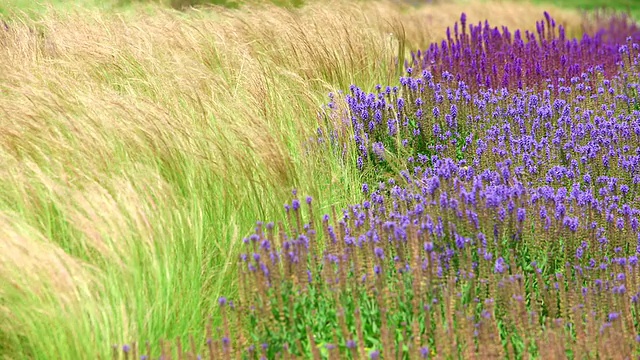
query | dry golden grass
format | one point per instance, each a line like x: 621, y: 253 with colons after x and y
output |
x: 136, y: 150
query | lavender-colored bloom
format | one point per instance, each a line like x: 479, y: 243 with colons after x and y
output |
x: 377, y: 270
x: 620, y: 290
x: 485, y: 314
x: 378, y: 150
x: 500, y: 266
x: 488, y: 256
x: 428, y: 247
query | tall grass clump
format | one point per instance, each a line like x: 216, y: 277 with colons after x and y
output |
x: 137, y: 149
x: 507, y: 227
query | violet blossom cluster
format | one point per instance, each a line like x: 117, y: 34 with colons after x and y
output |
x: 490, y: 57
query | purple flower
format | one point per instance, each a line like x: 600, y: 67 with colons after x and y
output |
x: 378, y: 150
x: 620, y: 290
x: 485, y: 314
x: 377, y: 270
x: 500, y: 266
x: 428, y: 247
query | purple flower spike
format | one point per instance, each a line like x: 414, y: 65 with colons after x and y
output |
x: 428, y: 247
x: 500, y: 266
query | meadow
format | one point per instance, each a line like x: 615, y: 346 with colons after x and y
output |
x: 337, y: 179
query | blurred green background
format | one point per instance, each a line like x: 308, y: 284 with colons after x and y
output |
x: 38, y: 6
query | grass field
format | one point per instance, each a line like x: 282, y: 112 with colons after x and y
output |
x: 630, y: 6
x: 140, y: 145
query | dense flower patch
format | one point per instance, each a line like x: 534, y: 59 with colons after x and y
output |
x: 488, y: 57
x: 510, y: 229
